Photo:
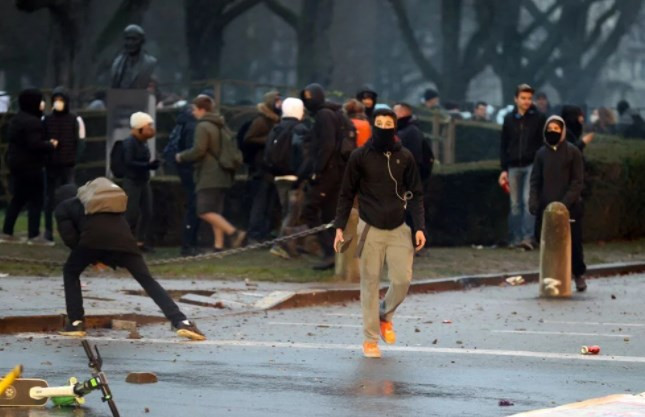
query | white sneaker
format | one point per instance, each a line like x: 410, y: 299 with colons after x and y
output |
x: 5, y: 238
x: 40, y: 241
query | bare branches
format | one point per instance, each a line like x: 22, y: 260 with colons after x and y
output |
x: 288, y: 15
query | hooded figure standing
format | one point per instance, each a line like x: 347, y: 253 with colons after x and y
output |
x: 69, y: 130
x: 325, y: 168
x: 385, y: 177
x: 368, y: 97
x: 558, y: 174
x: 28, y: 148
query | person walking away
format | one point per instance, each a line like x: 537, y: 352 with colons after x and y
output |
x: 283, y: 158
x: 325, y: 169
x: 104, y: 236
x: 69, y: 130
x: 368, y: 98
x: 136, y: 181
x: 558, y: 175
x: 211, y: 179
x: 355, y: 110
x: 384, y: 175
x: 26, y: 154
x: 521, y: 137
x: 262, y: 186
x: 413, y: 139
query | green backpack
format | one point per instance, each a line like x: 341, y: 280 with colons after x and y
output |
x: 230, y: 157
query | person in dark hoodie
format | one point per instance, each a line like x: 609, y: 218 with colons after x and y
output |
x: 325, y: 168
x: 262, y: 187
x: 69, y: 130
x: 384, y: 175
x: 369, y: 98
x: 26, y: 155
x: 574, y: 120
x: 558, y: 175
x: 105, y: 238
x: 412, y: 139
x: 521, y: 138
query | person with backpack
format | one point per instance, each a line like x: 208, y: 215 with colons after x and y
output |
x: 215, y: 157
x: 92, y: 224
x: 384, y: 176
x: 69, y: 130
x: 262, y: 187
x: 28, y: 148
x: 283, y: 158
x: 355, y: 110
x: 136, y: 179
x: 332, y: 140
x: 181, y: 139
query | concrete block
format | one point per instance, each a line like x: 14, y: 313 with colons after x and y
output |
x: 273, y: 299
x: 141, y: 378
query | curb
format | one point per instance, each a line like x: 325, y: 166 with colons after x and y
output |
x: 333, y: 296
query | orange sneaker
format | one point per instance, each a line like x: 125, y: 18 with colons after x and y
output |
x: 371, y: 350
x: 387, y: 332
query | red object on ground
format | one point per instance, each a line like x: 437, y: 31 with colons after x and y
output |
x: 590, y: 350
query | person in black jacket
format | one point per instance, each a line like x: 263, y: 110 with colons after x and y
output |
x: 68, y: 129
x: 368, y: 97
x: 136, y: 181
x: 413, y: 139
x: 558, y: 175
x: 26, y: 158
x: 105, y: 238
x: 574, y: 120
x: 325, y: 168
x: 384, y: 175
x: 521, y: 138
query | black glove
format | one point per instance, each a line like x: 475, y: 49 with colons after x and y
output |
x: 154, y: 165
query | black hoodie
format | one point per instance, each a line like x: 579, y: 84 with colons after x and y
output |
x: 521, y: 138
x: 571, y: 115
x: 62, y: 126
x: 367, y: 92
x: 27, y: 143
x: 324, y: 159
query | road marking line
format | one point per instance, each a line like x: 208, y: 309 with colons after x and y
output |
x: 280, y: 323
x: 398, y: 316
x: 333, y: 346
x: 595, y: 323
x: 561, y: 333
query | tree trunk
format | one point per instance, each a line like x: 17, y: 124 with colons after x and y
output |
x: 315, y: 63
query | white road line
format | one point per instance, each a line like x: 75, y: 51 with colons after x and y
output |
x: 397, y: 316
x: 561, y: 333
x: 595, y: 323
x: 334, y: 346
x: 280, y: 323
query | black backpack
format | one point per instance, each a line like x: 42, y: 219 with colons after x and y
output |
x: 247, y: 153
x: 117, y: 159
x: 346, y: 140
x: 277, y: 152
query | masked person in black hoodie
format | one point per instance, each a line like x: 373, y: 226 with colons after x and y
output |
x: 368, y: 97
x: 69, y: 130
x: 558, y: 173
x: 384, y: 175
x: 574, y: 121
x: 28, y: 148
x: 325, y: 168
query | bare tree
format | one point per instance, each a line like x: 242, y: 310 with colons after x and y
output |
x: 206, y: 21
x: 311, y: 24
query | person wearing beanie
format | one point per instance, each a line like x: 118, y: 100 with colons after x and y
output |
x: 558, y: 175
x: 413, y: 139
x: 69, y: 130
x: 284, y: 158
x: 431, y: 99
x: 262, y: 188
x: 355, y: 110
x: 136, y: 181
x: 26, y: 154
x: 384, y: 175
x: 368, y: 98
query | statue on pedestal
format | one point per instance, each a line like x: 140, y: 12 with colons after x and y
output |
x: 133, y: 68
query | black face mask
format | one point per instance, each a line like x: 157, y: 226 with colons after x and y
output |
x: 383, y: 139
x: 552, y: 138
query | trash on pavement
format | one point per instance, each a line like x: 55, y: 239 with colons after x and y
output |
x: 590, y: 350
x: 516, y: 280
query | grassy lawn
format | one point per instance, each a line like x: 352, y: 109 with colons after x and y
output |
x: 260, y: 265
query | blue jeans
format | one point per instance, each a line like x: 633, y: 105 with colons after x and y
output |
x: 521, y: 224
x: 191, y: 221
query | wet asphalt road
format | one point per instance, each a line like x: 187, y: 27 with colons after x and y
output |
x: 502, y: 343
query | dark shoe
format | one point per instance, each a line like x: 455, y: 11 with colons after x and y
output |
x: 581, y: 283
x: 326, y: 264
x: 237, y: 239
x: 73, y: 329
x: 188, y: 330
x: 188, y: 252
x: 527, y: 245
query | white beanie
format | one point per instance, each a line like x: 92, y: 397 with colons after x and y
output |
x: 140, y: 119
x: 293, y: 107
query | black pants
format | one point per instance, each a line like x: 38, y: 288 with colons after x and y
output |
x: 139, y: 210
x: 81, y: 258
x: 320, y: 208
x: 27, y: 189
x: 265, y: 202
x: 191, y: 221
x: 54, y: 178
x: 578, y: 266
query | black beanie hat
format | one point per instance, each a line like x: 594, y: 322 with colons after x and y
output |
x: 29, y: 101
x: 430, y: 94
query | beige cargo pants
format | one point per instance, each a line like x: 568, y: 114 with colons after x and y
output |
x: 383, y: 247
